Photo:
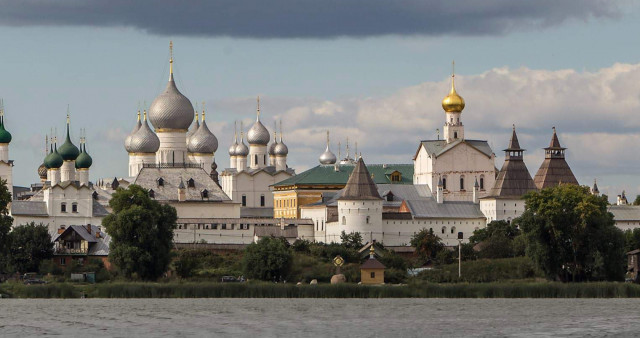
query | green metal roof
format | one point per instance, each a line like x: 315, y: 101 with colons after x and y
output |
x: 327, y: 175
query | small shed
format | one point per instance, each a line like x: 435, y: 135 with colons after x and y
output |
x: 372, y: 271
x: 633, y: 265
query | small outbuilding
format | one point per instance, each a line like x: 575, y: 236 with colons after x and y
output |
x: 372, y: 271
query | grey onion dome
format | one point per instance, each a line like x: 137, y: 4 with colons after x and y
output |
x: 193, y: 129
x: 127, y: 141
x: 241, y: 148
x: 272, y: 147
x: 232, y: 148
x: 258, y: 134
x: 328, y: 157
x: 145, y: 140
x: 171, y: 109
x: 203, y: 141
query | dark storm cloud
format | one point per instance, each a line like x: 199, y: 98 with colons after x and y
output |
x: 306, y: 18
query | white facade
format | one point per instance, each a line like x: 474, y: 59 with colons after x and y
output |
x: 502, y: 209
x: 251, y: 189
x: 138, y: 160
x: 6, y: 165
x: 173, y: 147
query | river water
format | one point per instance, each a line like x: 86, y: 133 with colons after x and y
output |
x: 319, y: 317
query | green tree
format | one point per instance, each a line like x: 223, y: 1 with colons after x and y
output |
x: 268, y: 259
x: 632, y: 239
x: 352, y: 240
x: 141, y: 231
x: 5, y: 226
x: 500, y: 228
x: 637, y: 201
x: 427, y: 244
x: 30, y: 245
x: 571, y: 236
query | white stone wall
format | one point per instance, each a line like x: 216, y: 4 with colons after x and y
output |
x: 258, y: 157
x: 232, y: 234
x: 501, y: 209
x: 206, y: 210
x: 68, y: 171
x: 173, y: 147
x: 252, y: 187
x: 318, y: 215
x: 136, y: 162
x: 6, y: 172
x: 357, y: 216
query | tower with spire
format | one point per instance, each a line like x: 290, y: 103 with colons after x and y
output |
x: 171, y: 113
x: 554, y: 169
x: 453, y: 158
x: 453, y: 104
x: 505, y: 200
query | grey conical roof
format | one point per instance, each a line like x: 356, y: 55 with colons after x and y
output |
x: 360, y: 186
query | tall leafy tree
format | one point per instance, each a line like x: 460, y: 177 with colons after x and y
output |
x: 571, y: 235
x: 427, y: 244
x: 141, y: 231
x: 268, y: 259
x: 30, y: 245
x: 352, y: 240
x: 5, y: 226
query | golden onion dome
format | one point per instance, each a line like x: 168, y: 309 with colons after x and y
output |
x: 453, y: 103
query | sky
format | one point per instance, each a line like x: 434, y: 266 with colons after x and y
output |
x: 374, y: 71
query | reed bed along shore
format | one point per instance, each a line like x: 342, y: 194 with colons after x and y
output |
x: 268, y: 290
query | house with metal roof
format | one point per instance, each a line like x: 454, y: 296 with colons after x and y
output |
x: 76, y: 244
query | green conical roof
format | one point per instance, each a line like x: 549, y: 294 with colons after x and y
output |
x: 5, y: 136
x: 83, y: 161
x: 54, y: 160
x: 68, y: 150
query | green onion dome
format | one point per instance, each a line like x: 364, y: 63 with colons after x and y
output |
x: 54, y: 160
x: 83, y: 161
x: 5, y: 136
x: 68, y: 150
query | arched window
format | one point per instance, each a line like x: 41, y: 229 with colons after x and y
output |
x: 461, y: 182
x: 481, y: 182
x: 444, y: 183
x: 63, y: 207
x: 74, y: 207
x: 453, y: 229
x: 444, y: 229
x: 344, y: 220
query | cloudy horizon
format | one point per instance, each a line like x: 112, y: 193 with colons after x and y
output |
x: 378, y: 81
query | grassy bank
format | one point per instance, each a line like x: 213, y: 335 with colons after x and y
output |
x: 267, y: 290
x: 484, y: 271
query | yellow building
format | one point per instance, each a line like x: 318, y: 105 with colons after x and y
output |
x: 372, y: 271
x: 307, y: 187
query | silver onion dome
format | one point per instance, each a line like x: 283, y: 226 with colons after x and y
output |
x: 203, y: 141
x: 194, y: 128
x: 171, y: 109
x: 232, y: 148
x: 328, y: 157
x: 258, y: 134
x: 281, y: 149
x: 127, y: 141
x: 272, y: 147
x: 241, y: 148
x: 144, y: 140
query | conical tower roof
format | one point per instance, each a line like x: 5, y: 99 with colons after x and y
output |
x: 514, y: 179
x: 360, y: 186
x: 554, y: 169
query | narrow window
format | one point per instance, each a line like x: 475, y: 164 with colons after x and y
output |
x: 63, y: 207
x: 264, y: 159
x: 255, y: 159
x: 481, y: 183
x: 455, y: 134
x: 368, y: 219
x: 74, y: 207
x: 462, y: 183
x: 444, y: 183
x: 244, y: 200
x: 444, y: 229
x: 262, y: 200
x: 344, y: 220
